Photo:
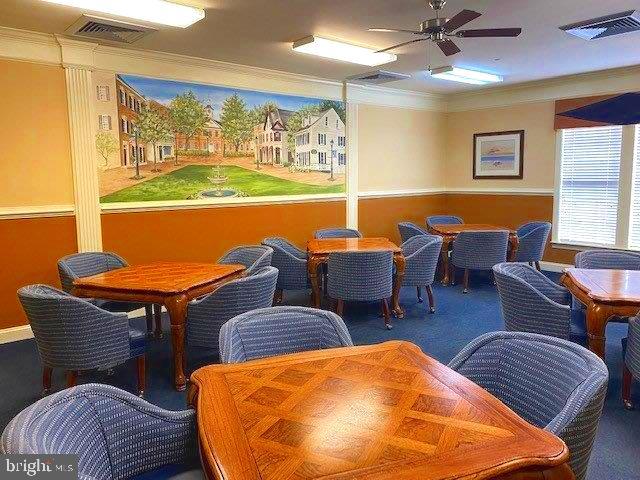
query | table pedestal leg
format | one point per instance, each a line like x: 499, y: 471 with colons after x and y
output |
x: 177, y: 308
x: 400, y: 263
x: 597, y: 317
x: 446, y: 271
x: 312, y: 267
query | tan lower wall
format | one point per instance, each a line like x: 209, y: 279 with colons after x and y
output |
x: 31, y: 248
x: 205, y: 234
x: 379, y: 217
x: 509, y: 211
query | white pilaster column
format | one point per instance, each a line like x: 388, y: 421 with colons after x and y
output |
x: 352, y: 161
x: 82, y: 126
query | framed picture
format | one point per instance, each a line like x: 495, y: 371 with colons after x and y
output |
x: 498, y: 155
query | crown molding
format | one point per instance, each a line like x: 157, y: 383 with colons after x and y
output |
x: 76, y: 54
x: 580, y: 85
x: 29, y: 46
x: 392, y: 97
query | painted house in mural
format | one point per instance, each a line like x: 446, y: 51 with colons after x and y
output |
x: 130, y: 103
x: 271, y: 143
x: 106, y: 107
x: 321, y: 143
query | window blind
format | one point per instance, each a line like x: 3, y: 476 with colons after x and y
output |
x: 634, y: 221
x: 589, y: 184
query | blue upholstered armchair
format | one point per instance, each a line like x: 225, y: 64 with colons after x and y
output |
x: 552, y: 383
x: 421, y: 254
x: 631, y: 353
x: 478, y: 250
x: 280, y: 330
x: 361, y: 277
x: 86, y: 264
x: 532, y: 240
x: 443, y: 220
x: 115, y: 434
x: 408, y: 230
x: 291, y: 263
x: 253, y: 257
x: 337, y: 233
x: 533, y: 303
x: 73, y: 334
x: 205, y: 316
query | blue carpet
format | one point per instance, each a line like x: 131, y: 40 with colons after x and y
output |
x: 459, y: 319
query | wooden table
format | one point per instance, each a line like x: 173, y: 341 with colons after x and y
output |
x: 168, y: 284
x: 449, y: 232
x: 383, y: 411
x: 319, y: 250
x: 606, y: 293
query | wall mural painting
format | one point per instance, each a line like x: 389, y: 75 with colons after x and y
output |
x: 160, y: 140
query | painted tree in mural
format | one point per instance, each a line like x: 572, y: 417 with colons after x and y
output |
x: 258, y: 115
x: 337, y: 106
x: 236, y: 121
x: 187, y: 117
x: 106, y: 145
x: 298, y: 120
x: 153, y: 127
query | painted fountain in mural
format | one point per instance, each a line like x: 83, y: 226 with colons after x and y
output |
x: 218, y: 179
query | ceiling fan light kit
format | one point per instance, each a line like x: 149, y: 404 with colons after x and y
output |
x: 463, y: 75
x: 335, y: 50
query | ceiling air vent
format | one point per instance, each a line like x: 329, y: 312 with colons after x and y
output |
x: 616, y: 24
x: 377, y: 77
x: 98, y: 28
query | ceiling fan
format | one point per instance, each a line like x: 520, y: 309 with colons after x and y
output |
x: 438, y: 29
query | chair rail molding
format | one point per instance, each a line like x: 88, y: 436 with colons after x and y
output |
x: 77, y: 60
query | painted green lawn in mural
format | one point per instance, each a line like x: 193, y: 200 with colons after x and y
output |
x: 188, y: 181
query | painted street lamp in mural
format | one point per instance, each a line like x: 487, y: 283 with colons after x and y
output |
x: 333, y: 156
x: 136, y: 134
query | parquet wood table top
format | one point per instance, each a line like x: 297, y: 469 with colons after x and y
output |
x: 378, y: 411
x: 162, y: 277
x: 607, y: 285
x: 324, y: 246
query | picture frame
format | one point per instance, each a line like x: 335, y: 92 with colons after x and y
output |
x: 498, y: 155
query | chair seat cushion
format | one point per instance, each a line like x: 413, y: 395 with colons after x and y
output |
x: 137, y: 342
x: 173, y: 472
x: 578, y: 332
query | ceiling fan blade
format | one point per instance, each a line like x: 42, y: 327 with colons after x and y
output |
x: 462, y: 18
x: 401, y: 45
x: 393, y: 30
x: 448, y: 47
x: 490, y: 32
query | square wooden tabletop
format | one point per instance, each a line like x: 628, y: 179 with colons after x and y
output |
x: 162, y: 277
x: 377, y: 411
x: 323, y: 246
x: 607, y: 285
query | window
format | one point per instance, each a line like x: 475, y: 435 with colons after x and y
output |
x: 322, y: 158
x: 322, y: 139
x: 326, y: 121
x: 588, y: 187
x: 103, y: 93
x: 341, y: 141
x: 104, y: 122
x: 634, y: 224
x: 122, y: 97
x: 342, y: 159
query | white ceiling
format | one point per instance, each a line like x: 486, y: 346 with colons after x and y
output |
x: 260, y: 32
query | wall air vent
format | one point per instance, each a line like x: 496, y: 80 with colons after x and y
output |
x: 97, y: 28
x: 377, y: 77
x: 608, y: 26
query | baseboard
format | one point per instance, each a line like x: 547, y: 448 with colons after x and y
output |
x: 15, y: 334
x: 553, y: 266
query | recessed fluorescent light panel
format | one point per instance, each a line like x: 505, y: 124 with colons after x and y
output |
x: 153, y: 11
x: 463, y: 75
x: 323, y: 47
